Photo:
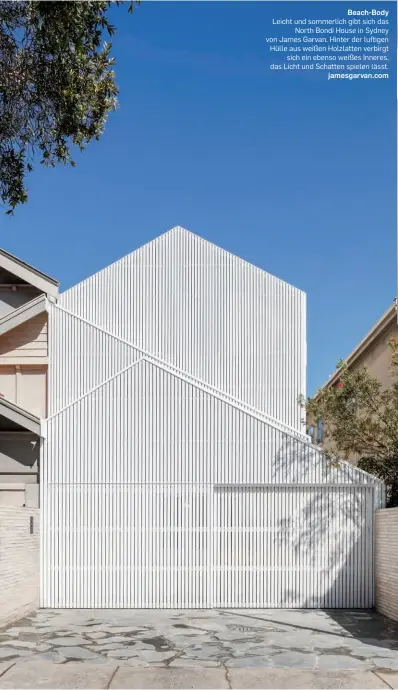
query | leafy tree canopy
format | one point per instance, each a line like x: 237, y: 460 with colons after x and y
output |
x: 360, y: 418
x: 57, y: 85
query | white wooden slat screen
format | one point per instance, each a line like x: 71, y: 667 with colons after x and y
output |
x: 293, y: 547
x: 202, y: 546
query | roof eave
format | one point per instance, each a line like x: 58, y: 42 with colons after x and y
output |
x: 380, y: 326
x: 19, y: 416
x: 28, y: 273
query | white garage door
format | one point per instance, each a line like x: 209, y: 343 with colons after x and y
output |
x: 127, y: 547
x: 294, y: 547
x: 200, y: 547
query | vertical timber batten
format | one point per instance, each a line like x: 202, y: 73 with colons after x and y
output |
x: 163, y: 489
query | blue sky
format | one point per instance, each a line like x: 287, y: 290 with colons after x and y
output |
x: 294, y: 173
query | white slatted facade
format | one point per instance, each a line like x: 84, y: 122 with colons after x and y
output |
x: 161, y: 491
x: 208, y: 313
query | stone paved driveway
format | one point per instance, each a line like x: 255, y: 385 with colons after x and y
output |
x: 219, y: 638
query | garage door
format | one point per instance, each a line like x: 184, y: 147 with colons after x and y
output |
x: 293, y: 547
x: 196, y: 546
x: 115, y: 546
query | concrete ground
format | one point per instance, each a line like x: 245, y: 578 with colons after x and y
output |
x: 41, y: 674
x: 200, y: 649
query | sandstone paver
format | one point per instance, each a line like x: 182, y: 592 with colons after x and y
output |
x: 203, y: 679
x: 4, y: 666
x: 390, y: 678
x: 296, y: 680
x: 38, y: 674
x: 236, y: 639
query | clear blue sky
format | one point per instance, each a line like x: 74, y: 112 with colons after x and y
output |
x: 296, y: 175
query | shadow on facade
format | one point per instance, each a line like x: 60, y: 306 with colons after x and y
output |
x: 328, y: 531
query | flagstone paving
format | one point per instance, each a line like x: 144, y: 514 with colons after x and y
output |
x: 313, y: 640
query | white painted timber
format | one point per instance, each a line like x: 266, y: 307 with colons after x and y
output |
x: 174, y: 469
x: 209, y: 314
x: 133, y: 514
x: 293, y: 547
x: 81, y: 357
x: 69, y: 336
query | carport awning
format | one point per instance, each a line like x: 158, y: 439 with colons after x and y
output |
x: 17, y: 415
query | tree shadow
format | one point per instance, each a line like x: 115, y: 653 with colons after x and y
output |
x: 365, y: 626
x: 369, y: 627
x: 327, y: 532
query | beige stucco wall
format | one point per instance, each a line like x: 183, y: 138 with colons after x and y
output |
x: 377, y: 360
x: 19, y: 563
x: 377, y: 357
x: 386, y: 562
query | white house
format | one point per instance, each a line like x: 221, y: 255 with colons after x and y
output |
x: 175, y: 469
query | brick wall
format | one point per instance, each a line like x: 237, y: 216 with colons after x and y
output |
x: 386, y: 562
x: 19, y: 562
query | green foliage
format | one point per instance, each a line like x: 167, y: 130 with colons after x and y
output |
x: 360, y: 418
x: 57, y: 85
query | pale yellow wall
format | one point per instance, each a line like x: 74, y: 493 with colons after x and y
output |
x: 25, y: 386
x: 8, y: 383
x: 32, y: 392
x: 25, y: 344
x: 23, y: 365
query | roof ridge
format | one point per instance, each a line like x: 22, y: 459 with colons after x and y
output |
x: 180, y: 228
x: 235, y: 256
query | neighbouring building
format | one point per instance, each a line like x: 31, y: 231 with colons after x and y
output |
x: 24, y: 296
x: 372, y: 353
x: 175, y: 472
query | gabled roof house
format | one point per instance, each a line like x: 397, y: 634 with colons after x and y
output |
x: 175, y: 471
x: 174, y: 467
